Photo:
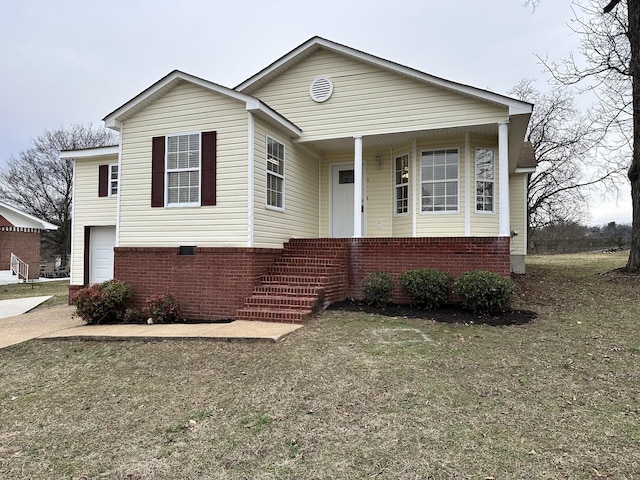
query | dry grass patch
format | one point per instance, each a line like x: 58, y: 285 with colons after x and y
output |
x: 58, y: 288
x: 351, y: 395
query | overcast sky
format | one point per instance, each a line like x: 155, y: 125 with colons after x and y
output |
x: 66, y: 62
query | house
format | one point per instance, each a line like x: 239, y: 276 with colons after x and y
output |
x: 270, y: 199
x: 20, y: 242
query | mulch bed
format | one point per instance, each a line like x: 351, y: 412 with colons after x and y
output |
x: 447, y: 314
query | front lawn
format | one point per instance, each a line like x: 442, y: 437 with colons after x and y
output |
x: 352, y: 395
x: 58, y: 288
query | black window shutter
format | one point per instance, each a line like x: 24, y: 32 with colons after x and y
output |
x: 157, y: 172
x: 208, y: 187
x: 103, y: 180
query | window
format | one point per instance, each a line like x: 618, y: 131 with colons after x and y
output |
x: 440, y: 180
x: 402, y: 184
x: 485, y: 161
x: 108, y: 180
x: 183, y: 169
x: 113, y: 179
x: 275, y: 174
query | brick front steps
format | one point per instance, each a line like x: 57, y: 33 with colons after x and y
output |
x: 311, y: 273
x: 306, y: 278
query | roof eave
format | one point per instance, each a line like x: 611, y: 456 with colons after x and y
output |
x: 90, y: 152
x: 44, y: 224
x: 114, y: 119
x: 261, y: 110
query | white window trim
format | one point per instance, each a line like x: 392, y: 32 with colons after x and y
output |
x: 476, y: 180
x: 167, y: 171
x: 445, y: 212
x: 117, y: 180
x: 397, y: 185
x: 269, y: 172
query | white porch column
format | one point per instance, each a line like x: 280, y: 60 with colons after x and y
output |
x: 357, y: 188
x: 503, y: 191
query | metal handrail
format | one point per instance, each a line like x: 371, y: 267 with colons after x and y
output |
x: 19, y: 268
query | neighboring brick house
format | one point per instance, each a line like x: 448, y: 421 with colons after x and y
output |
x: 270, y: 199
x: 20, y: 236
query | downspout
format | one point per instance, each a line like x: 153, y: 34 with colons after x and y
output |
x: 251, y: 180
x: 73, y: 222
x: 119, y: 187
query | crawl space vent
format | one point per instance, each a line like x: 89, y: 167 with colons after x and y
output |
x: 321, y: 89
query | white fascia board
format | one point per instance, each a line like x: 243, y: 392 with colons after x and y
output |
x: 255, y: 106
x: 516, y: 107
x: 90, y: 152
x: 115, y: 118
x: 278, y: 63
x: 45, y: 225
x: 525, y: 170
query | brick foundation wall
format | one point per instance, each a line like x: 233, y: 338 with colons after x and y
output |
x: 214, y: 283
x: 453, y: 255
x: 210, y: 285
x: 23, y: 242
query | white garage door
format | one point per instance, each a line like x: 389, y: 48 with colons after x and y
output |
x: 102, y: 240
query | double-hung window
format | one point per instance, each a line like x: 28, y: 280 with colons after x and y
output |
x: 113, y: 179
x: 275, y: 174
x: 183, y: 169
x: 108, y: 180
x: 485, y: 167
x: 440, y: 170
x: 402, y: 184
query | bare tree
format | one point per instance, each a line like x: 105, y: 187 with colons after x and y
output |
x: 39, y: 182
x: 610, y: 46
x: 569, y: 165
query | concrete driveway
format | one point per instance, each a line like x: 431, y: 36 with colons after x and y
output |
x: 20, y: 328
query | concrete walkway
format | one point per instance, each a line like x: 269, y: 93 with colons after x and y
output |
x: 17, y: 306
x: 59, y: 323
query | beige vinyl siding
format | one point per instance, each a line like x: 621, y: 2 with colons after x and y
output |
x: 441, y: 224
x: 185, y: 109
x: 378, y: 193
x: 517, y: 205
x: 369, y: 100
x: 484, y: 224
x: 300, y: 216
x: 88, y: 209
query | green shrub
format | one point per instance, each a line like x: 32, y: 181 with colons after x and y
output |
x: 428, y: 288
x: 163, y: 309
x: 104, y: 302
x: 134, y: 315
x: 377, y: 288
x: 484, y: 292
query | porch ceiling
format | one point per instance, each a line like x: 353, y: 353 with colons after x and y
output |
x: 517, y: 130
x: 386, y: 139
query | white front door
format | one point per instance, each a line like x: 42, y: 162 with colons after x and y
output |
x: 341, y: 210
x: 101, y: 243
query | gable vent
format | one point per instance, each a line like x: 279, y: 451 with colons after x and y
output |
x: 321, y: 89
